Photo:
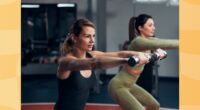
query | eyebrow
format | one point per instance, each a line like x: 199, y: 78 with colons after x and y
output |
x: 86, y: 34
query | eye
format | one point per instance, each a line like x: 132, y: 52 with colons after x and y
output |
x: 87, y: 35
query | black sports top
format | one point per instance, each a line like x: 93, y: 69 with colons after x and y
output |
x: 73, y: 92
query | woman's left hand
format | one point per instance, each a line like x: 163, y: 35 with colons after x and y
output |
x: 162, y: 53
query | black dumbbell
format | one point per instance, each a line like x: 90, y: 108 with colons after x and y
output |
x: 132, y: 61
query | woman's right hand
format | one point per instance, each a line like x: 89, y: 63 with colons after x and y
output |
x: 161, y: 53
x: 143, y: 58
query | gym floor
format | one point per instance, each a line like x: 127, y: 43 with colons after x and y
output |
x: 42, y: 89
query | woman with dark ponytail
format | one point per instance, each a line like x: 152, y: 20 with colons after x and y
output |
x: 123, y: 88
x: 74, y: 75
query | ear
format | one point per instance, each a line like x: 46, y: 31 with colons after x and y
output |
x: 140, y: 28
x: 74, y: 38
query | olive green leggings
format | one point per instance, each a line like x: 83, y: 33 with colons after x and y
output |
x: 124, y: 91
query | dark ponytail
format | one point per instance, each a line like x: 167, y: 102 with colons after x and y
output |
x: 132, y: 31
x: 67, y: 45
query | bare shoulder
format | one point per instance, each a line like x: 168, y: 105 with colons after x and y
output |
x: 96, y: 53
x: 66, y: 58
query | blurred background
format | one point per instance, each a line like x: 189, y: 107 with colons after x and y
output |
x: 45, y: 24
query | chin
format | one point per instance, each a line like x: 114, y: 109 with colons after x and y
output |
x: 152, y: 35
x: 90, y: 49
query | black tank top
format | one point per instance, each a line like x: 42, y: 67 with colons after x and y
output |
x: 73, y: 92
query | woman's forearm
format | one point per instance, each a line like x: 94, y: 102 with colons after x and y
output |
x: 123, y: 54
x: 108, y: 62
x: 126, y: 54
x: 92, y: 63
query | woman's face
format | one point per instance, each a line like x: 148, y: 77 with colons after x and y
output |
x: 148, y: 29
x: 86, y: 39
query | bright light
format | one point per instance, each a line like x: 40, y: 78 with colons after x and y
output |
x: 30, y: 6
x: 149, y: 1
x: 173, y: 2
x: 66, y: 5
x: 168, y: 2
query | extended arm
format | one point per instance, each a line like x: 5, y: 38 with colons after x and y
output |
x: 140, y: 44
x: 122, y: 54
x: 72, y: 63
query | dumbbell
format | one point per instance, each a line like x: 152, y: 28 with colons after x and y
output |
x: 132, y: 61
x: 155, y: 57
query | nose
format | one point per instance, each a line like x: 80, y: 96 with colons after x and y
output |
x: 92, y: 39
x: 154, y: 28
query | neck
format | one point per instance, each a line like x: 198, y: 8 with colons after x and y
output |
x: 79, y: 53
x: 143, y: 36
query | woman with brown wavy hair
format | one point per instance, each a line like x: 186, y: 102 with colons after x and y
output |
x: 75, y: 77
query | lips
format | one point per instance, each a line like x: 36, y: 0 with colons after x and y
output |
x: 90, y: 46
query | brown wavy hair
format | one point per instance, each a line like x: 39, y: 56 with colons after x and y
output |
x: 75, y: 29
